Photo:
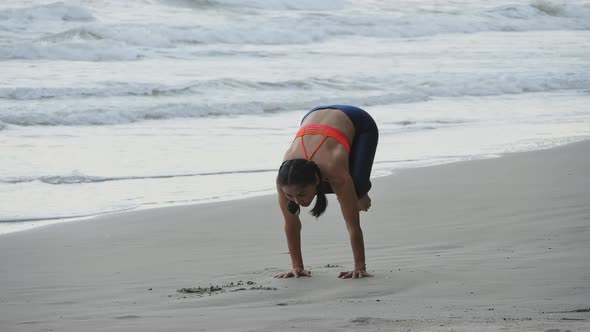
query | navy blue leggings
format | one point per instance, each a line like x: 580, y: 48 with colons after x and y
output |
x: 362, y: 149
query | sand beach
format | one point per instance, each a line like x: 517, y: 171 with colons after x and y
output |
x: 498, y: 244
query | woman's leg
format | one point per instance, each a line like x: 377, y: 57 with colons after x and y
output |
x: 362, y: 154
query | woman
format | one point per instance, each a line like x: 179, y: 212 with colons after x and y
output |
x: 332, y: 152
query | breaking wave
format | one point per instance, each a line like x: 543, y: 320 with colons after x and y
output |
x: 77, y: 106
x: 72, y: 32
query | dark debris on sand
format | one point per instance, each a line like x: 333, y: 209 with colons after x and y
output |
x: 567, y: 312
x: 232, y: 287
x: 199, y: 290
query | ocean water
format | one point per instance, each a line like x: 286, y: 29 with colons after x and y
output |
x: 110, y: 106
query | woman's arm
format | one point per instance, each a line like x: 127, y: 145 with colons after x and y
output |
x: 293, y: 232
x: 343, y: 187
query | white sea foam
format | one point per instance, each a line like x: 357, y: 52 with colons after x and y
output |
x: 184, y: 101
x: 76, y: 51
x: 92, y: 116
x: 423, y: 86
x: 325, y: 5
x: 103, y: 89
x: 46, y: 12
x: 70, y: 32
x: 76, y: 177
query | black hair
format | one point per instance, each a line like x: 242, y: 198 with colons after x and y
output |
x: 302, y: 172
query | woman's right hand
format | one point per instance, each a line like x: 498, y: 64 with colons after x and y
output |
x: 294, y: 273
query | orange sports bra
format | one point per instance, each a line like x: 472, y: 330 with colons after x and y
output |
x: 322, y: 129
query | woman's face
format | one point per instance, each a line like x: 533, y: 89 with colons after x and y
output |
x: 300, y: 195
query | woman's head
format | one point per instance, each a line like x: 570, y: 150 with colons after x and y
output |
x: 300, y: 180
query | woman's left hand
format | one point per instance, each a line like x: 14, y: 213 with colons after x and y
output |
x: 357, y: 273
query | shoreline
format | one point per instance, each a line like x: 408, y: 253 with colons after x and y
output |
x: 492, y: 244
x: 18, y: 226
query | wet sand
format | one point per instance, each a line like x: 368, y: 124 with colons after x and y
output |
x: 487, y: 245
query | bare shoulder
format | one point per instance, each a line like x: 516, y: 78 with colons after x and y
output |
x: 335, y: 168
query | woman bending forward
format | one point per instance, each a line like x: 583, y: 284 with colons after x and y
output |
x: 332, y: 152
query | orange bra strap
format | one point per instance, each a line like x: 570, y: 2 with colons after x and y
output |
x: 314, y: 151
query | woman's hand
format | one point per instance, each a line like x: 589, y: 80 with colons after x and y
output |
x: 357, y: 273
x: 294, y: 273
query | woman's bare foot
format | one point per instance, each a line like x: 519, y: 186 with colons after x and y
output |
x: 364, y: 203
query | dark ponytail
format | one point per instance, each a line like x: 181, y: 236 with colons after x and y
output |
x: 302, y: 172
x: 321, y: 203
